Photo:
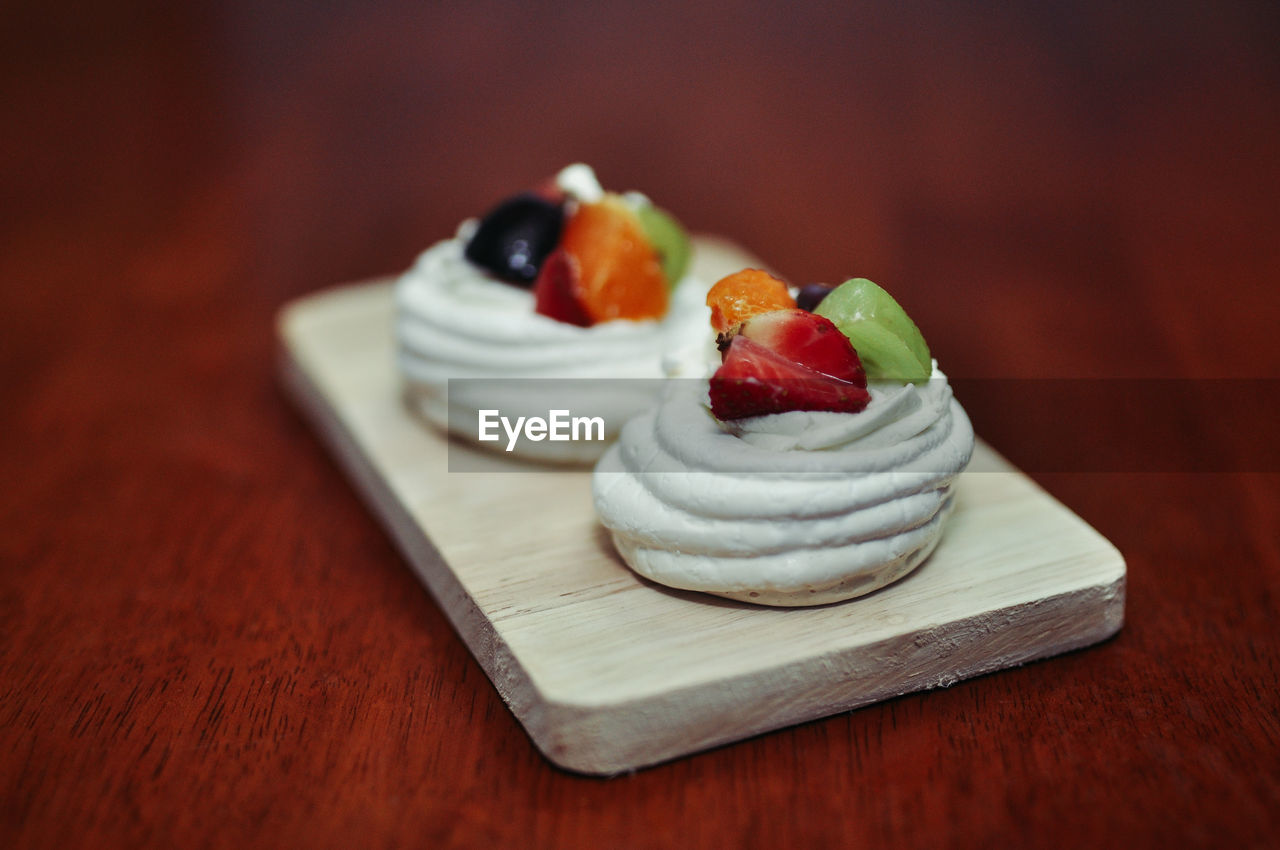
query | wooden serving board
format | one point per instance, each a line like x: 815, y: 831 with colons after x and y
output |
x: 609, y: 672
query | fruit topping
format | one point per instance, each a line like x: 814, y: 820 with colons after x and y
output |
x: 616, y: 257
x: 807, y: 339
x: 886, y: 339
x: 515, y: 237
x: 618, y: 272
x: 755, y: 380
x: 811, y: 295
x: 787, y: 360
x: 741, y: 295
x: 555, y: 294
x: 551, y: 191
x: 668, y: 238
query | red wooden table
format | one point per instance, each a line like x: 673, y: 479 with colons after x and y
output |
x: 205, y: 639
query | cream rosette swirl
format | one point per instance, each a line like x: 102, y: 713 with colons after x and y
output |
x: 455, y: 321
x: 788, y: 509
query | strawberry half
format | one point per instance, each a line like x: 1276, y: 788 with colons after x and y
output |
x: 754, y: 380
x: 555, y: 292
x: 808, y: 339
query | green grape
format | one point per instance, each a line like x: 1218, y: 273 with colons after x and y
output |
x: 887, y: 341
x: 669, y: 240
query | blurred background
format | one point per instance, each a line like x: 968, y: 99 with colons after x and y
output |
x: 1015, y: 173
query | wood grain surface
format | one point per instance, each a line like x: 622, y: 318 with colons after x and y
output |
x: 608, y: 672
x: 205, y: 640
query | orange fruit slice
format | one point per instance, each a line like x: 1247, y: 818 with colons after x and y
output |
x: 620, y: 274
x: 741, y: 295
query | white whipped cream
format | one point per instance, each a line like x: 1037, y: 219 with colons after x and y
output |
x: 578, y: 181
x: 795, y: 508
x: 455, y: 321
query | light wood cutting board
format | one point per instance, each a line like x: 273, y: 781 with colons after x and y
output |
x: 608, y: 672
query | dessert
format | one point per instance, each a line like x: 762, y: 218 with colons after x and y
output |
x: 564, y: 282
x: 815, y: 465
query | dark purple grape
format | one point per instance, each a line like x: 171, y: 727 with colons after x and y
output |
x: 515, y: 237
x: 811, y: 295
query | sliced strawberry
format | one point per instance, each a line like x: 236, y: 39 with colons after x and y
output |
x: 754, y: 380
x: 555, y: 292
x: 809, y: 340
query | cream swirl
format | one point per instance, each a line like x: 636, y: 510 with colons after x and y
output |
x: 455, y: 321
x: 795, y: 508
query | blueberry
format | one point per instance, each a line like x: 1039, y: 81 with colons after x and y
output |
x: 515, y: 237
x: 811, y: 295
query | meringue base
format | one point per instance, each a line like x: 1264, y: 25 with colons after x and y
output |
x: 736, y: 510
x: 851, y: 586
